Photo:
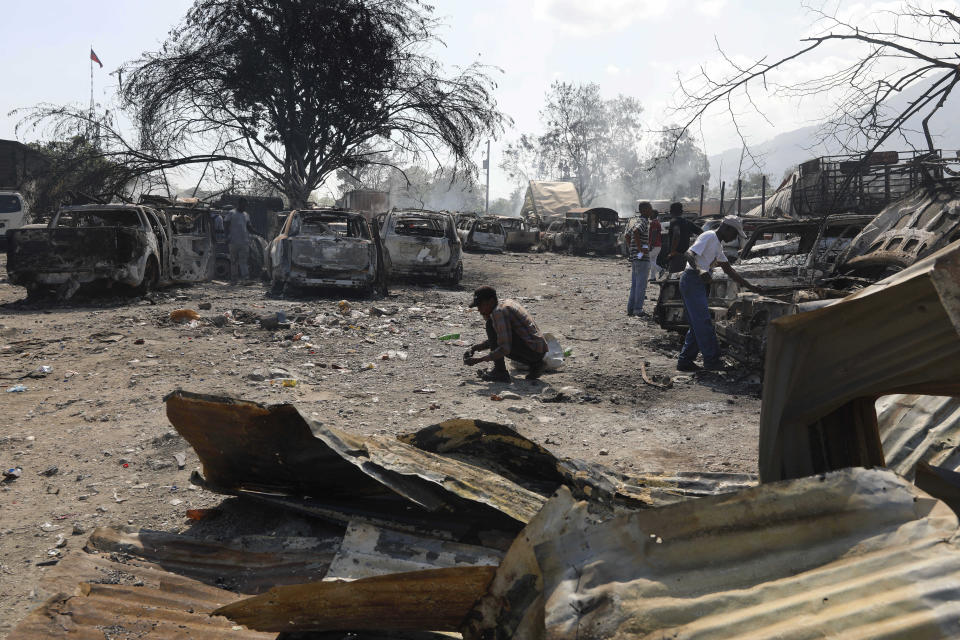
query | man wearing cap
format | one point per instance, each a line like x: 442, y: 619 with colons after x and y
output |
x: 511, y: 333
x: 705, y: 254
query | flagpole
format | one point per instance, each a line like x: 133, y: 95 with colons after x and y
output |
x: 90, y: 121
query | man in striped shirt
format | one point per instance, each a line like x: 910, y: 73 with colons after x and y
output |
x: 511, y: 333
x: 638, y: 250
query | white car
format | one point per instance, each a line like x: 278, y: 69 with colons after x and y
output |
x: 14, y: 213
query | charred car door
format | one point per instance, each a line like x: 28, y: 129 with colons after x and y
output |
x: 192, y: 255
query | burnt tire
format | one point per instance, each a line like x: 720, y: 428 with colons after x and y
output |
x: 151, y: 277
x: 454, y: 280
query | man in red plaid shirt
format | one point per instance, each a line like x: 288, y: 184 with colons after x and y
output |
x: 511, y: 333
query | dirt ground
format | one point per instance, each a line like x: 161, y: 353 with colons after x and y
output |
x: 95, y: 446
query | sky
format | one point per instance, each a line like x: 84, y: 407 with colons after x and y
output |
x: 631, y: 47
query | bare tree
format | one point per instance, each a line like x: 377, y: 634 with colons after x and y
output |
x: 911, y: 47
x: 589, y: 139
x: 293, y: 90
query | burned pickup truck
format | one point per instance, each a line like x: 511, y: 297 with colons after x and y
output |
x: 420, y: 243
x: 108, y: 245
x: 847, y: 252
x: 789, y: 259
x: 326, y: 247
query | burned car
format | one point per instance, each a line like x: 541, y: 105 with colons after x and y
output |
x: 482, y: 234
x: 418, y: 243
x: 790, y: 259
x: 326, y: 248
x: 109, y: 244
x: 561, y: 235
x: 520, y: 235
x: 599, y: 230
x: 581, y: 231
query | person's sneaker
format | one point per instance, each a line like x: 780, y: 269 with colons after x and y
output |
x: 536, y: 370
x: 495, y: 375
x: 687, y: 366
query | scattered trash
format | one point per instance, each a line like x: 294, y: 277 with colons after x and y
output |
x: 12, y: 474
x: 45, y: 369
x: 17, y: 388
x: 496, y: 398
x: 450, y: 336
x: 117, y: 498
x: 368, y: 366
x: 202, y: 514
x: 647, y: 379
x: 181, y: 459
x: 424, y: 390
x: 61, y: 542
x: 175, y: 502
x: 284, y: 382
x: 204, y: 306
x: 344, y: 307
x: 184, y: 315
x: 139, y: 341
x: 509, y: 395
x: 393, y: 355
x: 49, y: 472
x: 273, y: 321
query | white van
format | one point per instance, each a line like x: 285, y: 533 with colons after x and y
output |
x: 14, y: 213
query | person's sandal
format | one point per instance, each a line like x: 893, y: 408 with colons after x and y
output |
x: 493, y: 375
x: 536, y: 370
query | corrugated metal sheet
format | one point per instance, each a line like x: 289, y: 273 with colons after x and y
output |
x: 826, y: 368
x: 368, y: 551
x: 851, y: 554
x: 916, y: 428
x: 500, y: 448
x: 274, y: 449
x: 118, y: 596
x: 435, y: 599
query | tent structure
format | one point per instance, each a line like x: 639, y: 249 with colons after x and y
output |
x: 547, y: 201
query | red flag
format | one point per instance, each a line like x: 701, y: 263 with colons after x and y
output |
x: 93, y: 56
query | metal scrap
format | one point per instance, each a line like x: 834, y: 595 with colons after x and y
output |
x: 897, y: 336
x: 842, y: 555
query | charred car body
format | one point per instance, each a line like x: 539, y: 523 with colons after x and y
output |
x: 791, y: 259
x: 520, y: 235
x: 109, y: 245
x: 849, y: 252
x: 188, y: 209
x: 418, y: 243
x: 482, y: 234
x: 583, y: 231
x: 326, y: 248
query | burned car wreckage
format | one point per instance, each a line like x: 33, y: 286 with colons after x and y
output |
x: 110, y: 244
x: 803, y: 264
x: 419, y: 243
x: 326, y: 247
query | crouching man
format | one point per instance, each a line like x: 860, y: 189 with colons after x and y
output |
x: 511, y: 333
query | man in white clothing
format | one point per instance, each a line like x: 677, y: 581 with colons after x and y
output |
x: 705, y: 254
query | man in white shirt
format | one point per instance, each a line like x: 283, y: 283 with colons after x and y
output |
x: 705, y: 254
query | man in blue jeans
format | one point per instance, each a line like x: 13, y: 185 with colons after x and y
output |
x: 705, y: 254
x: 638, y: 250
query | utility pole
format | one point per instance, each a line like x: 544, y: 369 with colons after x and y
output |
x: 486, y: 164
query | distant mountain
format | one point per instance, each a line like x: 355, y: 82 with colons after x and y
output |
x: 789, y: 149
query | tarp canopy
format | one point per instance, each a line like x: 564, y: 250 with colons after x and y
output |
x: 549, y: 200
